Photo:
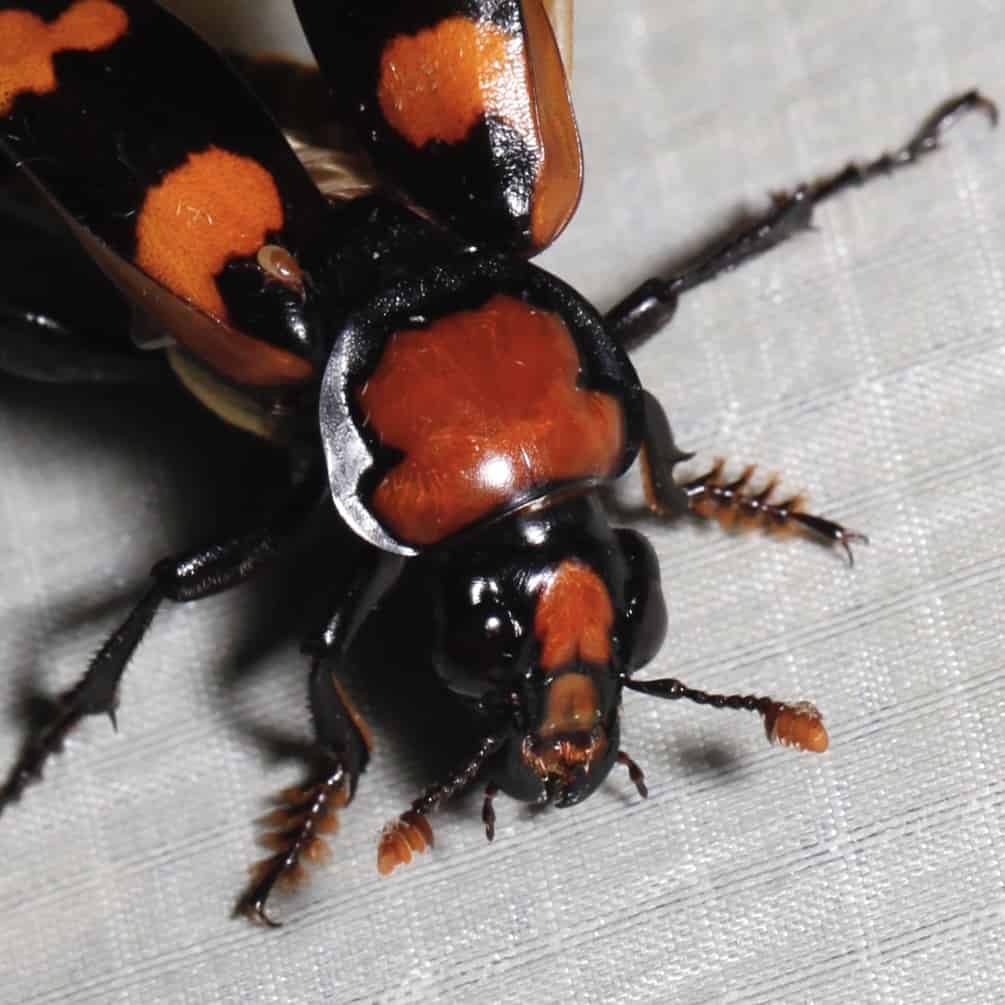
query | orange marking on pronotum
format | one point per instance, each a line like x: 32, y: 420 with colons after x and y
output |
x: 573, y: 617
x: 485, y: 405
x: 27, y: 44
x: 215, y: 207
x: 435, y: 85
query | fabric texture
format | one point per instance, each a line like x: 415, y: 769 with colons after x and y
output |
x: 864, y: 361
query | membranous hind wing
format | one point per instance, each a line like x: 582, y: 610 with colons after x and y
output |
x: 299, y: 98
x: 173, y: 177
x: 463, y: 106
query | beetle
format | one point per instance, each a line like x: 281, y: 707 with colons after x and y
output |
x: 455, y: 407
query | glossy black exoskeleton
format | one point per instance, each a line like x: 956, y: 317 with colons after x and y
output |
x: 453, y: 406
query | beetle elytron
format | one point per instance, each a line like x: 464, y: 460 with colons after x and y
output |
x: 454, y: 406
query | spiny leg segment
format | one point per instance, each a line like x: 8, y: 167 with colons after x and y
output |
x: 711, y: 495
x: 179, y: 579
x: 652, y: 304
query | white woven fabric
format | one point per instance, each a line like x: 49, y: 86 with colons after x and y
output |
x: 866, y: 362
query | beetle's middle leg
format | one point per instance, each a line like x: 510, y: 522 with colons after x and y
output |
x: 711, y: 496
x: 342, y: 740
x: 650, y: 306
x: 181, y: 579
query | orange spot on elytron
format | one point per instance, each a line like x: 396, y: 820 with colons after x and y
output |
x: 485, y: 406
x: 27, y: 44
x: 215, y: 207
x: 437, y: 84
x: 573, y: 617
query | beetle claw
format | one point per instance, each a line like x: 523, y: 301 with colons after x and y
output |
x: 254, y: 910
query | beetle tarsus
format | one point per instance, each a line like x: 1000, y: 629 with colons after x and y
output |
x: 924, y: 141
x: 734, y: 502
x: 294, y: 832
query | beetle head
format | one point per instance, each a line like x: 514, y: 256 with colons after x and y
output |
x: 538, y: 652
x: 565, y: 738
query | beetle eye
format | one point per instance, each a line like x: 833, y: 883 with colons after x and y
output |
x: 479, y: 647
x: 487, y: 637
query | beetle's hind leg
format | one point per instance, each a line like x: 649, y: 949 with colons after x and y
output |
x: 732, y: 502
x: 94, y: 694
x: 181, y: 579
x: 650, y: 306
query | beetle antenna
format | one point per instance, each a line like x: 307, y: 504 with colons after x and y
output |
x: 413, y: 832
x: 792, y: 724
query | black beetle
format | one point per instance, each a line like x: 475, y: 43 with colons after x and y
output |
x: 456, y: 407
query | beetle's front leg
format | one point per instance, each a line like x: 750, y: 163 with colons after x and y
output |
x: 651, y: 305
x: 732, y: 502
x: 343, y: 742
x: 180, y: 579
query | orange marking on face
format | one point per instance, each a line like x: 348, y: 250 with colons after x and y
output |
x: 437, y: 84
x: 215, y: 207
x: 484, y: 405
x: 27, y: 44
x: 574, y: 617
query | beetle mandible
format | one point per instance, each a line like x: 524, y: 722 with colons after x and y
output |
x: 454, y: 406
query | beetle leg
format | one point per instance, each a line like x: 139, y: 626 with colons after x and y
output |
x: 190, y: 577
x: 635, y: 773
x: 307, y: 812
x: 340, y: 732
x: 651, y: 305
x: 710, y: 495
x: 659, y: 456
x: 488, y: 810
x: 792, y: 724
x: 94, y: 694
x: 343, y: 744
x: 294, y: 833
